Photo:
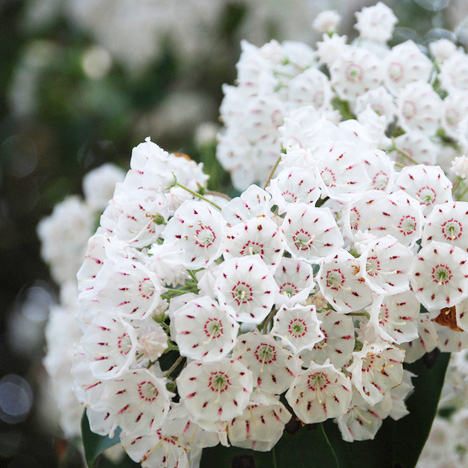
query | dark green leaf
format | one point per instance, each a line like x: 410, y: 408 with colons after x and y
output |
x: 94, y: 444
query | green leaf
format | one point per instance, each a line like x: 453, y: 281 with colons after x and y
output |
x: 94, y: 444
x: 398, y: 444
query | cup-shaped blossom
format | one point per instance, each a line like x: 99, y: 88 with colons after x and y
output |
x: 341, y: 171
x: 294, y: 185
x: 354, y: 72
x: 203, y: 330
x: 341, y: 284
x: 419, y: 108
x: 363, y: 420
x: 139, y: 400
x: 261, y: 424
x: 394, y: 318
x: 337, y: 345
x: 384, y: 265
x: 253, y: 202
x: 246, y: 286
x: 127, y: 287
x: 136, y: 215
x: 447, y: 223
x: 110, y: 345
x: 198, y: 229
x: 310, y: 87
x: 380, y: 170
x: 426, y: 342
x: 319, y: 393
x: 311, y: 233
x: 215, y: 391
x: 397, y: 214
x: 439, y: 275
x: 298, y: 327
x: 405, y: 63
x: 273, y: 366
x: 257, y: 236
x: 428, y: 184
x: 155, y: 449
x: 376, y: 369
x: 295, y: 280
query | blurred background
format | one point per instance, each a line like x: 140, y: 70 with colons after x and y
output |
x: 81, y: 83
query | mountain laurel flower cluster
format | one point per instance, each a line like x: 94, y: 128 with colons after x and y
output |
x: 203, y: 315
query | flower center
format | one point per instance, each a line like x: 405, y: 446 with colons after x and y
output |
x: 427, y: 195
x: 335, y: 279
x: 204, y: 237
x: 372, y: 265
x: 242, y: 293
x: 146, y: 288
x: 265, y: 354
x: 252, y: 248
x: 147, y: 391
x: 303, y: 240
x: 297, y: 328
x: 441, y: 274
x: 288, y: 289
x: 328, y: 177
x: 395, y: 71
x: 452, y: 229
x: 354, y: 73
x: 409, y: 109
x: 213, y: 328
x: 219, y: 382
x: 124, y: 344
x: 407, y: 225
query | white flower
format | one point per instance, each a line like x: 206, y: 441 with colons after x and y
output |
x: 376, y: 369
x: 338, y: 343
x: 439, y: 275
x: 198, y: 230
x: 380, y: 101
x: 204, y: 330
x: 311, y: 233
x: 273, y: 366
x: 419, y: 108
x: 331, y: 48
x: 354, y: 72
x: 405, y: 63
x: 257, y: 236
x: 428, y: 184
x: 446, y: 223
x: 319, y: 393
x: 261, y: 425
x: 394, y: 318
x: 295, y: 281
x: 454, y: 72
x: 341, y: 284
x: 376, y: 22
x: 363, y: 420
x: 460, y: 166
x: 246, y: 286
x: 442, y: 49
x: 327, y: 21
x: 425, y: 343
x: 311, y: 87
x: 384, y: 265
x: 139, y: 400
x: 294, y: 185
x: 298, y: 327
x: 215, y: 391
x: 455, y: 109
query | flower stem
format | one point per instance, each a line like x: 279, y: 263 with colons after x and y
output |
x: 272, y: 173
x: 267, y: 320
x: 174, y: 366
x: 218, y: 194
x: 275, y: 465
x: 330, y: 445
x: 195, y: 194
x: 460, y: 197
x: 406, y: 155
